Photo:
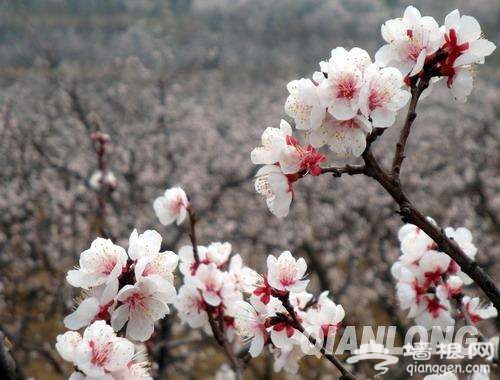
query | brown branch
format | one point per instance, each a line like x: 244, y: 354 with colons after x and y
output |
x: 347, y: 169
x: 296, y: 324
x: 408, y: 211
x: 410, y: 214
x: 217, y: 327
x: 399, y: 155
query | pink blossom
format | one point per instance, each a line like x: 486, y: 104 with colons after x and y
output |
x: 171, y: 206
x: 285, y: 273
x: 102, y: 263
x: 100, y: 351
x: 141, y: 305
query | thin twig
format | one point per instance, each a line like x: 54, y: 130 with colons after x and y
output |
x: 411, y: 115
x: 217, y: 326
x: 347, y: 169
x: 192, y: 232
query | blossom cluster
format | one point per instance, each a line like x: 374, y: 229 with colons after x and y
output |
x: 214, y: 281
x: 281, y: 314
x: 352, y: 94
x: 124, y: 292
x: 262, y: 310
x: 100, y: 354
x: 452, y: 49
x: 218, y: 288
x: 428, y: 280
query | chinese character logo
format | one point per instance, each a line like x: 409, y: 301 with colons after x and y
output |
x: 374, y: 351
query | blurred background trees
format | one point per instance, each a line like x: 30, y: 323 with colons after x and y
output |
x: 184, y: 89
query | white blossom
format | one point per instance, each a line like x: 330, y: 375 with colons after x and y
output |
x: 218, y: 253
x: 188, y: 265
x: 245, y: 279
x: 382, y: 96
x: 250, y: 322
x: 102, y: 263
x: 100, y: 351
x: 171, y: 206
x: 414, y: 243
x: 273, y: 142
x: 276, y: 188
x: 435, y: 313
x: 434, y: 264
x: 99, y: 305
x: 98, y: 178
x: 304, y: 104
x: 340, y: 91
x: 322, y: 320
x: 146, y: 244
x: 210, y: 281
x: 476, y: 311
x: 66, y: 344
x: 191, y: 306
x: 133, y: 371
x: 345, y: 138
x: 410, y: 40
x: 287, y: 359
x: 465, y: 47
x: 141, y: 305
x: 285, y: 273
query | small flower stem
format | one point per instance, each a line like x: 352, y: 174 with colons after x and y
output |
x: 192, y: 232
x: 295, y: 323
x: 411, y: 115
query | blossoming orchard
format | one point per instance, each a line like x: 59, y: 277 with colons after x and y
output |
x: 334, y: 120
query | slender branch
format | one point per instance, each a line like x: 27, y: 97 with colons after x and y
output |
x: 410, y: 214
x: 218, y: 330
x: 295, y: 323
x: 217, y: 326
x: 347, y: 169
x: 399, y: 155
x: 192, y: 232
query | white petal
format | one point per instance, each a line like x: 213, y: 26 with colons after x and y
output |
x: 140, y: 327
x: 383, y: 118
x: 470, y: 29
x: 123, y: 352
x: 384, y: 55
x: 66, y: 344
x: 83, y: 315
x: 119, y: 316
x: 452, y: 19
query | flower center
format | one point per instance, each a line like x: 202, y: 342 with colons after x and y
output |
x: 100, y: 355
x: 136, y: 301
x: 347, y: 88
